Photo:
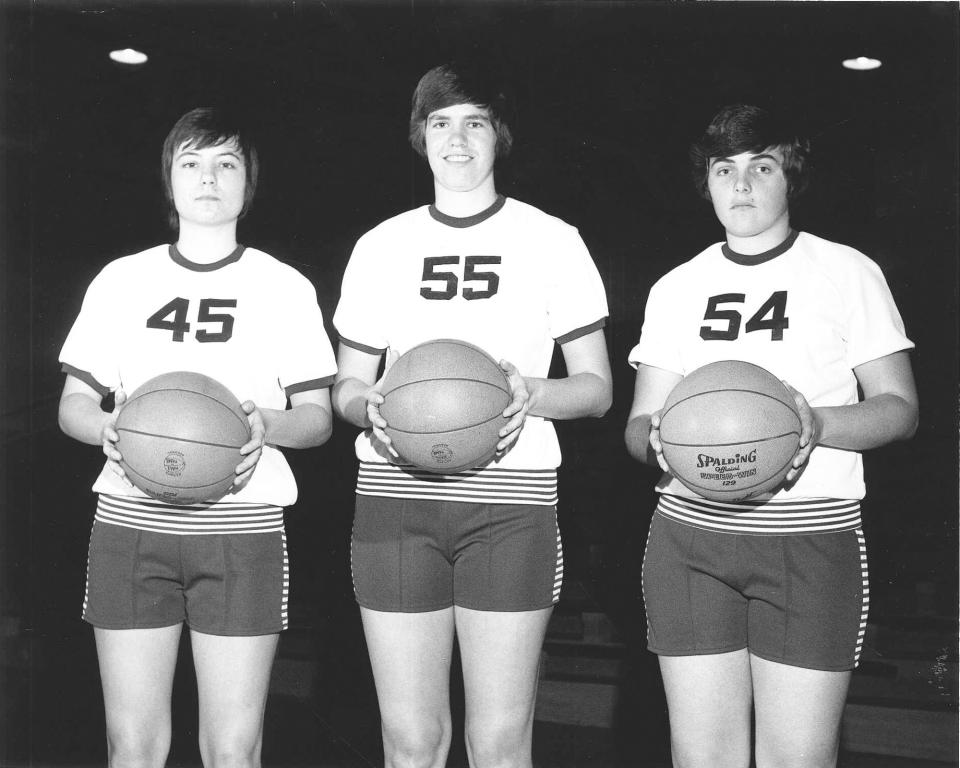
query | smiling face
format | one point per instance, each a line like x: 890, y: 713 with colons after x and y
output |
x: 208, y: 184
x: 461, y: 146
x: 749, y: 196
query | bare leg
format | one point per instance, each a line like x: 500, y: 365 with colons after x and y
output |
x: 136, y: 669
x: 798, y: 714
x: 709, y: 700
x: 233, y: 677
x: 501, y: 659
x: 410, y: 655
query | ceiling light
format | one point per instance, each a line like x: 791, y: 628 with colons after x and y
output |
x: 862, y: 63
x: 128, y: 56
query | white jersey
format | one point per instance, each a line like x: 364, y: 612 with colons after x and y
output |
x: 810, y: 313
x: 249, y: 321
x: 512, y: 280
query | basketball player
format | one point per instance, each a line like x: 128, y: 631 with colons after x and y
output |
x: 204, y: 304
x: 475, y: 554
x: 763, y: 603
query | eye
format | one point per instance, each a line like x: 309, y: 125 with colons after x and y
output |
x: 188, y: 164
x: 438, y: 124
x: 764, y: 169
x: 723, y: 171
x: 228, y: 164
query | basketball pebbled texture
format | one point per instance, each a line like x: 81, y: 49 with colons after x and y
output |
x: 180, y: 437
x: 729, y: 430
x: 443, y: 403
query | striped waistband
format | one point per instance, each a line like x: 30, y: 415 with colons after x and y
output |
x: 771, y: 518
x: 218, y: 517
x: 486, y: 485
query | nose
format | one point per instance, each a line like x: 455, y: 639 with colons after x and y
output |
x: 742, y: 182
x: 208, y: 174
x: 458, y: 136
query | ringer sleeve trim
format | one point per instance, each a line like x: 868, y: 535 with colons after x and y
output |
x: 86, y: 378
x: 583, y: 331
x: 306, y: 386
x: 362, y: 347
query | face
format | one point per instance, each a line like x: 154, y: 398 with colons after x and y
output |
x: 208, y: 184
x: 749, y: 193
x: 461, y: 147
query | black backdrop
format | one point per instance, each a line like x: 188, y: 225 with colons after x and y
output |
x: 610, y: 95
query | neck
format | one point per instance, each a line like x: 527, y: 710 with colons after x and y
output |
x: 205, y: 245
x: 469, y: 203
x: 764, y: 241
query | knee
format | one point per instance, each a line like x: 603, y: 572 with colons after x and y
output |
x: 129, y: 747
x: 504, y: 743
x: 820, y: 753
x: 415, y: 744
x: 232, y: 753
x: 712, y: 754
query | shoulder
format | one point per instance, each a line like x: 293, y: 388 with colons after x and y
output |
x: 693, y: 268
x: 135, y: 264
x: 836, y: 259
x: 279, y: 272
x: 533, y: 217
x: 417, y: 217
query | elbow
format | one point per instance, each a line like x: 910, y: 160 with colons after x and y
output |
x: 604, y: 401
x: 912, y: 423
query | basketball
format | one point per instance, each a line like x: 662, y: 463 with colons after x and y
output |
x: 180, y: 437
x: 443, y: 403
x: 730, y: 430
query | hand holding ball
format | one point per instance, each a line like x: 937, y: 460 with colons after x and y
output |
x: 180, y: 437
x: 443, y: 402
x: 729, y: 430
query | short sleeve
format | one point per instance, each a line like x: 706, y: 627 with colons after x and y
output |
x: 357, y: 317
x: 87, y: 349
x: 306, y: 360
x: 657, y: 345
x: 874, y: 326
x: 577, y: 299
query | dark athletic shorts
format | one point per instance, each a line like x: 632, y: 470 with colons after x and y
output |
x: 218, y: 584
x: 412, y: 555
x: 799, y: 600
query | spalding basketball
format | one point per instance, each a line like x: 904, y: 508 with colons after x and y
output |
x: 730, y: 430
x: 443, y: 401
x: 180, y: 437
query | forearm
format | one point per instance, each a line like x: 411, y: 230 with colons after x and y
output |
x: 350, y: 402
x: 81, y: 418
x: 637, y: 437
x: 572, y: 397
x: 874, y: 422
x: 304, y: 426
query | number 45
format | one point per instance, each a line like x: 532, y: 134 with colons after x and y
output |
x: 771, y: 316
x: 172, y: 317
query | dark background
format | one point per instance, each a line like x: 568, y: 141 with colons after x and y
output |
x: 610, y: 96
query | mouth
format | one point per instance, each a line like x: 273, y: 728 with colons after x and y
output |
x: 208, y: 197
x: 458, y: 158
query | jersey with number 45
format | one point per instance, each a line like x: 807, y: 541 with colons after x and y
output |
x: 249, y: 321
x: 810, y: 315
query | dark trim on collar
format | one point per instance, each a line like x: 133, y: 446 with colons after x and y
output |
x: 468, y: 221
x: 745, y: 260
x: 178, y: 258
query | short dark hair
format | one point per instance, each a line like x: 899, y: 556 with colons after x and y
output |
x: 456, y: 83
x: 207, y: 127
x: 742, y: 128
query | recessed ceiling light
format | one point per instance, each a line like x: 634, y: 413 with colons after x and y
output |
x: 128, y: 56
x: 862, y: 63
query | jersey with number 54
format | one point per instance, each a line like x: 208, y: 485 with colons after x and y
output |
x: 810, y: 315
